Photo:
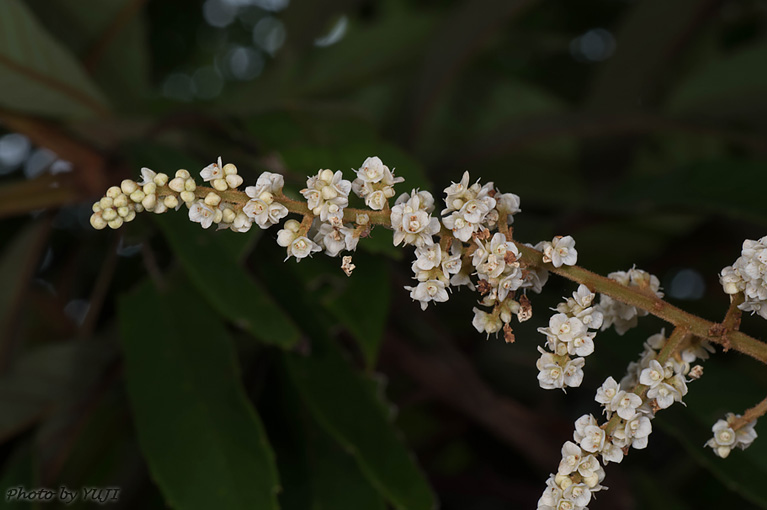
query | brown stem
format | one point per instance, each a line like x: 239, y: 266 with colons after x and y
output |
x: 650, y: 302
x: 750, y: 415
x: 724, y: 334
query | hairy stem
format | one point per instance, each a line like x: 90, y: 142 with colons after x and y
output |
x: 729, y: 338
x: 725, y: 334
x: 750, y: 415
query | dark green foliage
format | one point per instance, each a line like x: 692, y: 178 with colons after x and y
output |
x: 148, y: 358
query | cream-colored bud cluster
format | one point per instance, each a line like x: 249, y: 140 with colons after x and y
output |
x: 183, y: 184
x: 221, y: 177
x: 121, y: 203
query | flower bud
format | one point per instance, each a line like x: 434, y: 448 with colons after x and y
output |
x: 177, y: 184
x: 128, y: 186
x: 160, y: 180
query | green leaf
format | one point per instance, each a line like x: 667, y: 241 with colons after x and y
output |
x: 363, y: 305
x: 315, y: 471
x: 203, y: 441
x: 211, y: 259
x: 345, y: 405
x: 714, y: 185
x: 17, y: 265
x: 37, y: 74
x: 109, y: 37
x: 34, y: 386
x: 732, y: 83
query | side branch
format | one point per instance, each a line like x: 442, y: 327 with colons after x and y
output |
x: 647, y: 301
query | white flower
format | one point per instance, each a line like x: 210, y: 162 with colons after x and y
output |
x: 302, y: 247
x: 375, y: 183
x: 582, y: 345
x: 484, y: 322
x: 593, y: 439
x: 213, y: 171
x: 147, y: 176
x: 336, y: 239
x: 620, y: 315
x: 625, y: 404
x: 411, y: 222
x: 431, y: 290
x: 562, y: 251
x: 551, y: 376
x: 241, y: 223
x: 571, y: 458
x: 372, y: 170
x: 286, y: 235
x: 611, y: 453
x: 507, y: 203
x: 607, y: 392
x: 456, y: 193
x: 573, y: 372
x: 566, y: 328
x: 267, y: 182
x: 580, y: 426
x: 724, y: 438
x: 425, y: 200
x: 591, y: 471
x: 376, y: 200
x: 746, y: 435
x: 731, y: 281
x: 202, y: 214
x: 638, y: 429
x: 749, y: 275
x: 578, y: 493
x: 653, y: 375
x: 664, y: 395
x: 427, y: 258
x: 551, y: 496
x: 327, y: 194
x: 468, y: 219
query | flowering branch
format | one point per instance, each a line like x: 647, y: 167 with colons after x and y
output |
x: 472, y: 244
x: 725, y: 334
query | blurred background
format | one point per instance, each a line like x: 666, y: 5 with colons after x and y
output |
x: 194, y: 369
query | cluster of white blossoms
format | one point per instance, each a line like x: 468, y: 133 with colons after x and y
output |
x: 568, y: 335
x: 579, y: 474
x: 471, y: 246
x: 412, y: 221
x: 749, y: 276
x: 629, y: 408
x: 620, y: 315
x: 433, y: 269
x: 261, y: 209
x: 726, y: 437
x: 468, y: 207
x: 375, y: 183
x: 474, y: 247
x: 327, y: 194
